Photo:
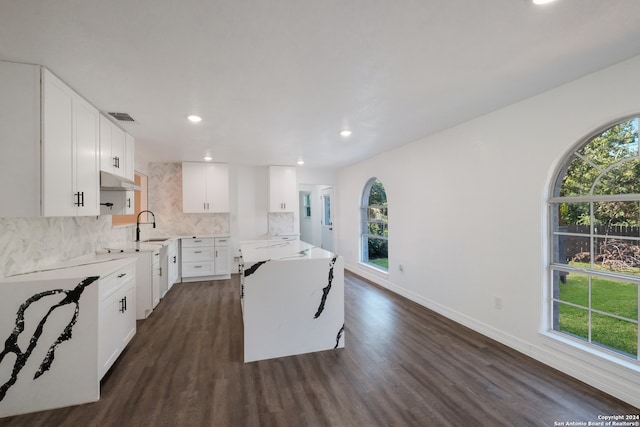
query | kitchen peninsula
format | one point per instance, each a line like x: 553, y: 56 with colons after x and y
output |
x: 292, y: 296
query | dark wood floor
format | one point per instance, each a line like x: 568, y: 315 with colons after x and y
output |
x: 403, y: 365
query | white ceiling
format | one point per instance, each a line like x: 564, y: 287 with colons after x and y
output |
x: 275, y: 80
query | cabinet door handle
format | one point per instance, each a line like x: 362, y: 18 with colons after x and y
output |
x: 174, y: 259
x: 216, y: 253
x: 128, y: 202
x: 160, y: 271
x: 125, y: 303
x: 79, y: 198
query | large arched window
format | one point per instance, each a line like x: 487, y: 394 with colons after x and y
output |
x: 595, y: 236
x: 375, y: 225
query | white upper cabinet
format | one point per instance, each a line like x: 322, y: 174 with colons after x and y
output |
x: 205, y: 187
x: 49, y: 136
x: 129, y: 153
x: 20, y: 140
x: 116, y: 149
x: 283, y: 190
x: 70, y: 146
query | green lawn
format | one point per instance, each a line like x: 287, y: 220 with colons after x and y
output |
x: 381, y: 262
x: 611, y: 296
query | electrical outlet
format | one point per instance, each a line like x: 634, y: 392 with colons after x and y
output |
x: 401, y: 268
x: 497, y: 303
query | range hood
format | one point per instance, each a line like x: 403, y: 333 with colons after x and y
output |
x: 111, y: 182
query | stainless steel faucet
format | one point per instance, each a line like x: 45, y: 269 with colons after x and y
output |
x: 138, y: 223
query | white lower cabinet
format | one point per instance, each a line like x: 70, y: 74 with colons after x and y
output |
x: 155, y: 280
x: 173, y: 265
x: 117, y: 315
x: 222, y: 258
x: 205, y: 258
x: 147, y: 279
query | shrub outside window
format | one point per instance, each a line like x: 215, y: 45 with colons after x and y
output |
x: 595, y: 242
x: 375, y: 225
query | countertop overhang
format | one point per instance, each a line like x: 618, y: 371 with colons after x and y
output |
x: 281, y: 250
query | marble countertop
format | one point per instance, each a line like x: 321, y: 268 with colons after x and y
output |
x: 80, y: 267
x: 281, y: 250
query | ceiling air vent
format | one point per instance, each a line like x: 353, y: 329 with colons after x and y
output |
x: 123, y: 117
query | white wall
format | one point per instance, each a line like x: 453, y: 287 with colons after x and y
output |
x: 467, y: 216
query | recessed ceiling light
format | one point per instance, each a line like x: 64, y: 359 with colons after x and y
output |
x: 194, y: 118
x: 301, y: 162
x: 542, y: 1
x: 345, y: 133
x: 208, y: 158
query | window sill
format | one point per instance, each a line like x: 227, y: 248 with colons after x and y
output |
x: 561, y: 342
x: 378, y: 270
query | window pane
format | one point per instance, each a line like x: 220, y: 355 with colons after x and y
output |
x: 326, y: 216
x: 574, y: 289
x: 579, y: 178
x: 617, y: 218
x: 573, y: 217
x: 378, y: 254
x: 615, y: 296
x: 377, y: 194
x: 378, y: 229
x: 614, y: 333
x: 377, y: 214
x: 616, y: 143
x: 574, y: 250
x: 574, y: 321
x: 622, y: 256
x: 622, y: 179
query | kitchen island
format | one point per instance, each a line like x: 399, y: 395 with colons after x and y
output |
x: 292, y: 296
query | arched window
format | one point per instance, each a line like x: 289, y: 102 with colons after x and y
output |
x: 595, y: 241
x: 375, y: 225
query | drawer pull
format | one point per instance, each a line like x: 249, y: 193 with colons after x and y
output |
x: 120, y: 276
x: 197, y: 266
x: 197, y: 252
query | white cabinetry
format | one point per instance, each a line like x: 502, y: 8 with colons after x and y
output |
x: 70, y: 151
x: 156, y: 274
x: 117, y: 318
x: 169, y: 269
x: 205, y: 187
x: 122, y: 201
x: 129, y: 159
x: 173, y: 265
x: 50, y: 137
x: 282, y: 189
x: 222, y: 258
x: 116, y: 149
x: 205, y: 259
x: 147, y: 278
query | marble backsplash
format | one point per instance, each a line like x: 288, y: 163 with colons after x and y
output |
x: 165, y: 201
x: 28, y: 244
x: 281, y: 223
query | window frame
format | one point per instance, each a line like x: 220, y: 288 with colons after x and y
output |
x: 365, y: 222
x: 555, y: 265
